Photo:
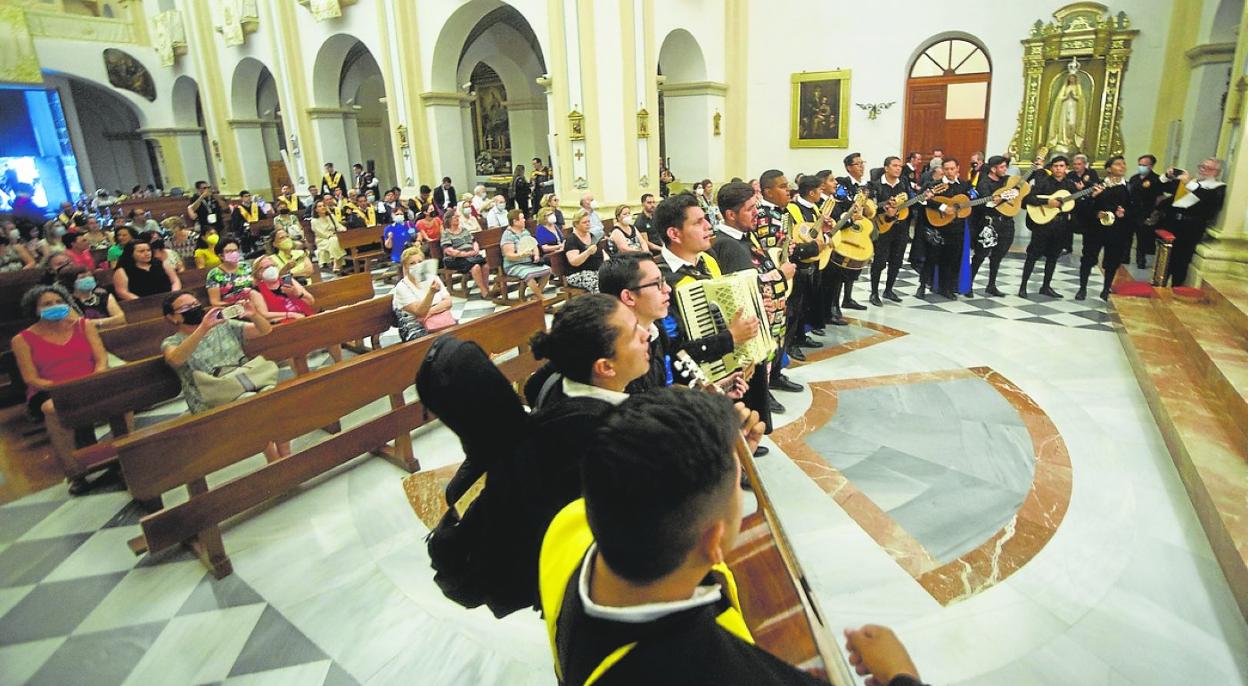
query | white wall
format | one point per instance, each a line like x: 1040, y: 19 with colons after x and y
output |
x: 880, y: 70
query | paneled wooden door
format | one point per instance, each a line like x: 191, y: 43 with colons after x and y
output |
x: 947, y: 100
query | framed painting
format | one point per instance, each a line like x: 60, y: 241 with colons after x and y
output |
x: 820, y: 110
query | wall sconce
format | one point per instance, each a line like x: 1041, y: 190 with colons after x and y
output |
x: 874, y: 109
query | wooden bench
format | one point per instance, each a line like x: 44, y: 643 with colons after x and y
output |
x: 161, y: 208
x: 232, y: 433
x: 363, y: 246
x: 457, y: 283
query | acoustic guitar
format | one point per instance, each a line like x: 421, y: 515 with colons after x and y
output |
x: 903, y: 202
x: 852, y: 247
x: 1008, y: 199
x: 777, y: 602
x: 1043, y: 214
x: 812, y: 232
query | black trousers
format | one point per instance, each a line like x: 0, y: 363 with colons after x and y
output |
x: 797, y: 306
x: 756, y: 397
x: 1187, y: 235
x: 948, y: 257
x: 890, y: 250
x: 1048, y: 242
x: 842, y: 287
x: 994, y: 255
x: 1109, y: 239
x: 816, y: 309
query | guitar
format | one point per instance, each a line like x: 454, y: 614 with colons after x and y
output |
x: 882, y: 221
x: 785, y: 619
x: 1043, y: 214
x: 1008, y: 199
x: 812, y: 232
x: 852, y: 245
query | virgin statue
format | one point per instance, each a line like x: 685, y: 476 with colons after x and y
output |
x: 1067, y: 116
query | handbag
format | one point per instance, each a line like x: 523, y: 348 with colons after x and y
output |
x: 441, y: 320
x: 228, y: 383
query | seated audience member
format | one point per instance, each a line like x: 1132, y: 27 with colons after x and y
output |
x: 54, y: 265
x: 461, y: 253
x: 89, y: 298
x: 496, y: 216
x: 552, y: 202
x: 288, y: 258
x: 60, y: 346
x: 79, y: 251
x: 180, y: 238
x: 525, y: 266
x: 206, y: 249
x: 642, y: 556
x: 468, y: 214
x: 164, y: 254
x: 230, y: 281
x: 549, y: 235
x: 325, y: 229
x: 139, y: 273
x: 583, y: 255
x: 421, y: 305
x: 142, y: 221
x: 205, y: 341
x: 14, y: 256
x: 123, y: 235
x: 282, y: 299
x: 626, y: 236
x: 97, y: 239
x: 590, y: 207
x: 396, y: 237
x: 286, y: 220
x: 430, y: 225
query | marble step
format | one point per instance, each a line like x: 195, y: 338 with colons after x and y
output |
x: 1205, y: 443
x: 1230, y: 294
x: 1218, y: 349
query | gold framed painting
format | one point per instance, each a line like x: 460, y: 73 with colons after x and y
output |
x: 820, y: 110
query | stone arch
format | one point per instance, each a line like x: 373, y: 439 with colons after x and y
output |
x: 681, y: 59
x: 255, y: 120
x: 184, y: 98
x: 110, y: 151
x: 686, y: 104
x: 1225, y: 24
x: 351, y: 117
x: 327, y: 69
x: 457, y: 36
x: 189, y: 142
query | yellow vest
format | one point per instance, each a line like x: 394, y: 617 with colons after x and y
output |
x: 563, y: 549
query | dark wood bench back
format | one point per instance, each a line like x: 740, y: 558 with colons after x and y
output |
x: 346, y: 290
x: 360, y: 238
x: 152, y: 306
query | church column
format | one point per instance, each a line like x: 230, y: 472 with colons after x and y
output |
x: 445, y: 117
x: 329, y: 127
x: 351, y: 130
x: 1227, y: 251
x: 418, y: 153
x: 527, y: 126
x: 1210, y: 65
x: 304, y: 162
x: 736, y: 58
x: 249, y: 135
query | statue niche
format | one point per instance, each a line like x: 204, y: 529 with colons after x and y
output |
x: 1069, y: 96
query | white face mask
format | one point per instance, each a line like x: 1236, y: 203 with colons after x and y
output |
x: 269, y: 273
x: 593, y: 204
x: 698, y: 190
x: 466, y: 211
x: 550, y: 219
x: 627, y: 219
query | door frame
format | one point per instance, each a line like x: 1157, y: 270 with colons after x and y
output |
x: 985, y: 77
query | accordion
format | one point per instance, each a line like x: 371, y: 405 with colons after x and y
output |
x: 706, y: 307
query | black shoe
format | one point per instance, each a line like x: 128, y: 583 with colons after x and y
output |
x: 890, y: 295
x: 784, y: 383
x: 948, y: 295
x: 819, y: 332
x: 969, y: 294
x: 761, y: 451
x: 875, y: 300
x: 807, y: 342
x: 1105, y: 292
x: 853, y: 305
x: 1046, y: 290
x: 774, y: 405
x: 1081, y: 294
x: 1022, y: 291
x: 745, y: 481
x: 992, y: 291
x: 921, y: 294
x: 796, y: 353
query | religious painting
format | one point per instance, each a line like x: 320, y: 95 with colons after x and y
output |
x: 491, y: 130
x: 820, y: 110
x: 127, y: 73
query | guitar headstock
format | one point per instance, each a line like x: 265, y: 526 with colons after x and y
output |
x: 697, y: 378
x: 940, y: 187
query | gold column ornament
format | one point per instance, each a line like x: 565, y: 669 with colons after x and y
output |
x: 1073, y: 69
x: 643, y: 123
x: 400, y: 133
x: 715, y: 130
x: 576, y: 126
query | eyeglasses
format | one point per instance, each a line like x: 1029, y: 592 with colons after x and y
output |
x: 657, y: 283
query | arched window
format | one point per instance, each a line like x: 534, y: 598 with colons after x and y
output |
x: 947, y: 99
x: 950, y: 57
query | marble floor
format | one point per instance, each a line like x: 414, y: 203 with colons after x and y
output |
x: 1047, y: 539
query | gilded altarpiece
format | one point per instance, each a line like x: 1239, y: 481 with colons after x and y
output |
x: 1073, y: 70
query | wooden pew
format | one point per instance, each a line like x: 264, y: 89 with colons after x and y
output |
x: 152, y: 306
x: 229, y: 434
x: 363, y: 246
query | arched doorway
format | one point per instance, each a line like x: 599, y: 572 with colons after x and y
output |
x: 257, y: 125
x: 501, y: 120
x: 350, y: 117
x: 947, y: 97
x: 685, y: 107
x: 114, y: 154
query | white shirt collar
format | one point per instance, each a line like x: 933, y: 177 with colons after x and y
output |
x: 639, y: 614
x: 804, y: 202
x: 764, y: 201
x: 576, y: 389
x: 729, y: 231
x: 654, y: 331
x: 674, y: 261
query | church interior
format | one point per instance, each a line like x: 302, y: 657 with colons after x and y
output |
x: 291, y: 290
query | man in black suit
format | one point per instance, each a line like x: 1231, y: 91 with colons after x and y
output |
x: 1048, y: 240
x: 1196, y: 204
x: 444, y: 197
x: 332, y: 180
x: 1144, y: 187
x: 947, y: 256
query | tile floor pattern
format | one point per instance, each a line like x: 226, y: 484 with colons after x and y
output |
x: 76, y: 607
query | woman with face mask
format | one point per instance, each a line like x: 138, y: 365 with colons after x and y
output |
x: 206, y: 249
x: 420, y: 301
x: 60, y: 346
x: 468, y: 217
x: 93, y: 301
x: 625, y: 236
x: 139, y: 273
x: 230, y: 281
x: 14, y: 256
x: 549, y: 236
x: 325, y: 228
x: 282, y: 299
x: 288, y: 257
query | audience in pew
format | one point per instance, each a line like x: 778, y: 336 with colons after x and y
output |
x: 230, y: 281
x: 430, y: 224
x: 14, y: 256
x: 396, y: 238
x: 286, y: 220
x: 79, y: 250
x: 420, y: 301
x: 549, y: 235
x: 93, y: 301
x: 583, y: 253
x: 60, y: 346
x: 282, y: 299
x: 139, y: 273
x: 525, y: 265
x: 181, y: 238
x: 288, y: 258
x: 97, y: 239
x: 162, y: 252
x: 206, y: 342
x: 461, y: 253
x: 626, y: 236
x: 325, y: 229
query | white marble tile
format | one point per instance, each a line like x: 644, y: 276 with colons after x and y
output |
x: 299, y: 675
x: 10, y: 597
x: 18, y: 663
x: 80, y: 515
x: 197, y: 648
x: 146, y: 594
x: 106, y: 551
x: 49, y: 494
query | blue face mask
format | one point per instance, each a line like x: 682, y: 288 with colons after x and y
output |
x: 1144, y: 170
x: 54, y: 313
x: 86, y: 283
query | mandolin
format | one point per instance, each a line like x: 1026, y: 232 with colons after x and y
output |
x: 779, y: 607
x: 1043, y: 214
x: 883, y: 223
x: 1008, y: 199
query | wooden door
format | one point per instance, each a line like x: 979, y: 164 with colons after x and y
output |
x: 278, y: 177
x: 927, y: 126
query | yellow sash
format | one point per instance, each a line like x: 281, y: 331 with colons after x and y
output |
x: 332, y: 181
x: 291, y: 203
x: 253, y: 215
x: 370, y: 216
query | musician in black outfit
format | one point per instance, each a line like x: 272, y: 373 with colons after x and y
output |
x: 1047, y: 240
x: 839, y: 291
x: 1113, y: 202
x: 1196, y: 204
x: 805, y: 209
x: 770, y: 233
x: 948, y: 254
x: 1084, y: 217
x: 1144, y: 187
x: 992, y: 233
x: 890, y: 247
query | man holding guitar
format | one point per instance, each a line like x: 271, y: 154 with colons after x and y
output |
x: 893, y: 227
x: 838, y: 278
x: 995, y: 231
x: 1048, y: 236
x: 948, y: 255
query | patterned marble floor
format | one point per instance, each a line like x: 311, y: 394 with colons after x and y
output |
x: 332, y: 584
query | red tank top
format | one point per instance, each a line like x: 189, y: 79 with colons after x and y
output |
x: 67, y: 362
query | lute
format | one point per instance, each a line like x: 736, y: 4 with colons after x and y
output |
x: 784, y: 618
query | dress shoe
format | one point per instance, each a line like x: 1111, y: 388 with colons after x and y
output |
x: 838, y: 321
x: 969, y: 294
x: 992, y: 290
x: 774, y: 405
x: 808, y: 342
x: 1105, y: 292
x: 1022, y: 291
x: 1081, y: 294
x: 761, y: 451
x: 890, y: 295
x: 819, y: 332
x: 853, y: 305
x: 796, y: 353
x: 875, y: 300
x: 921, y: 294
x: 1046, y: 290
x: 948, y: 295
x: 784, y: 383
